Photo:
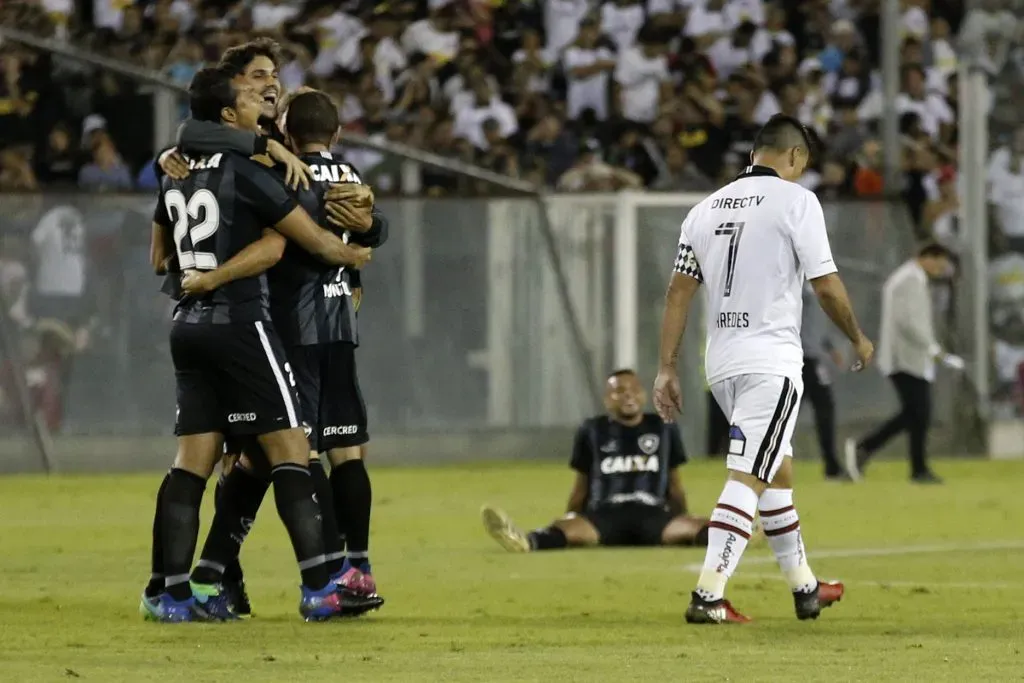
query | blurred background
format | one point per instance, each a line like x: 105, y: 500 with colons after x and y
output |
x: 535, y: 159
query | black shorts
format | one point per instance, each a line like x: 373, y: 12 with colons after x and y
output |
x: 232, y: 379
x: 630, y: 523
x: 332, y: 404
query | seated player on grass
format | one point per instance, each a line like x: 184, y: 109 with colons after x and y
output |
x: 627, y: 490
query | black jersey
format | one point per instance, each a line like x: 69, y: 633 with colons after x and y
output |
x: 627, y: 464
x: 310, y: 301
x: 219, y: 209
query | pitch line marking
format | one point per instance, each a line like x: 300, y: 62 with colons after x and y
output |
x: 882, y: 552
x: 956, y: 585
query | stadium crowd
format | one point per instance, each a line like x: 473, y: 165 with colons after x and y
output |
x: 577, y: 94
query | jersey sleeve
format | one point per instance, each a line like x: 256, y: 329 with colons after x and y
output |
x: 264, y: 192
x: 810, y: 237
x: 676, y: 452
x: 686, y: 259
x: 582, y: 450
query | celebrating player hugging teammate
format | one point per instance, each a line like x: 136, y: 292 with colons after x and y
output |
x: 230, y: 216
x: 352, y: 209
x: 753, y: 243
x: 627, y: 490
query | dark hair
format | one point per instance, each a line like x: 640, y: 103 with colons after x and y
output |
x: 936, y: 250
x: 782, y: 133
x: 209, y: 92
x: 312, y: 118
x: 237, y: 58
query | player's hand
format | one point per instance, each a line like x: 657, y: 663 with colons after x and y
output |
x: 296, y: 172
x: 196, y: 283
x: 354, y: 193
x: 865, y: 351
x: 358, y: 257
x: 951, y: 361
x: 348, y: 216
x: 173, y: 164
x: 668, y: 397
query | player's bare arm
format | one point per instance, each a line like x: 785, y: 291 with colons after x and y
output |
x: 161, y: 249
x: 206, y: 137
x: 835, y: 301
x: 668, y: 399
x: 255, y: 258
x: 301, y: 229
x: 578, y: 495
x: 676, y: 494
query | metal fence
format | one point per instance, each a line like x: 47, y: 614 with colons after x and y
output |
x: 463, y: 327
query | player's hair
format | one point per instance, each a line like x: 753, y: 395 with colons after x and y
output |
x: 936, y: 250
x: 209, y: 92
x: 621, y: 372
x: 312, y: 118
x: 783, y: 133
x: 236, y: 58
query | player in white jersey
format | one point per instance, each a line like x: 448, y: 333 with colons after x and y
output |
x: 752, y: 244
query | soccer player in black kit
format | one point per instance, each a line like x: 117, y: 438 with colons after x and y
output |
x: 230, y: 216
x: 313, y: 309
x: 627, y: 490
x: 255, y: 64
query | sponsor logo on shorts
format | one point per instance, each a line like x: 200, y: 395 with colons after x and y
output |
x: 630, y: 463
x: 344, y: 430
x: 726, y: 555
x: 241, y: 417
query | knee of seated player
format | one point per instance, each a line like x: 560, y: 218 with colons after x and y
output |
x: 682, y: 530
x: 198, y: 453
x: 285, y: 446
x: 579, y: 532
x: 340, y: 455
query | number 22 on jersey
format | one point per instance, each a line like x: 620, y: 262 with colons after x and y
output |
x: 195, y: 219
x: 734, y: 231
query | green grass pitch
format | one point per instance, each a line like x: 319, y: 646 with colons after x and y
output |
x: 935, y: 580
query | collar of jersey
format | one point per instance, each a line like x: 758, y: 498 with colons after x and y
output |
x: 754, y: 171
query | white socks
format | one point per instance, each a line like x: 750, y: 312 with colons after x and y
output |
x: 782, y: 528
x: 729, y: 531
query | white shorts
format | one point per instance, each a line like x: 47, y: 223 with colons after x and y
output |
x: 762, y: 412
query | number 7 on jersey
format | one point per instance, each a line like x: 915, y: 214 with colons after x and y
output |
x: 734, y: 231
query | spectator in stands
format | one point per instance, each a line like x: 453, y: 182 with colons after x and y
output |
x: 18, y: 97
x: 107, y: 172
x: 587, y: 66
x: 641, y: 74
x: 591, y: 174
x: 940, y: 217
x: 680, y: 175
x: 58, y: 164
x: 485, y: 106
x: 16, y: 173
x: 1006, y: 183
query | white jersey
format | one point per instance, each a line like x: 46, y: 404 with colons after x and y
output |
x: 752, y: 244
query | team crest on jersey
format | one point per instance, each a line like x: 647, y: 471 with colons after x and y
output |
x: 649, y: 443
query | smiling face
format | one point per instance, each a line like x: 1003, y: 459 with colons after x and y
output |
x: 261, y: 76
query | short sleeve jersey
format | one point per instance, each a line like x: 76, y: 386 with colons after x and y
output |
x: 220, y: 208
x: 627, y: 464
x: 753, y: 244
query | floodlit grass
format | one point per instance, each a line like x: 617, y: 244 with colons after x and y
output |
x: 935, y: 579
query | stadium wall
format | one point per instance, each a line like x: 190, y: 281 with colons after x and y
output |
x: 464, y: 355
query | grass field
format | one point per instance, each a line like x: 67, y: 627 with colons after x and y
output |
x: 935, y: 580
